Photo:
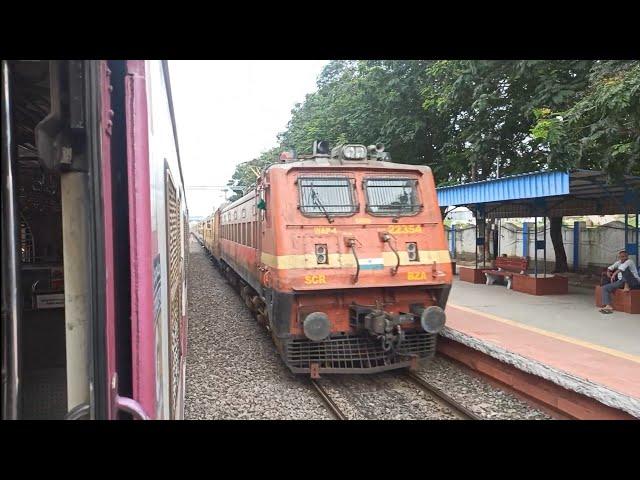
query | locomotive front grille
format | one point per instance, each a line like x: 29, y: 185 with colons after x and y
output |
x: 356, y: 354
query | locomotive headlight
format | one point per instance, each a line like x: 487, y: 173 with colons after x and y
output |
x: 349, y: 152
x: 354, y: 152
x: 316, y: 326
x: 321, y: 253
x: 432, y: 319
x: 412, y: 251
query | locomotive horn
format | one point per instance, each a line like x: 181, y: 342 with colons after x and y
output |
x: 379, y: 147
x: 321, y: 147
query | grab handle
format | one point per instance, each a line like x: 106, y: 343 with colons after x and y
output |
x: 351, y: 243
x: 386, y: 238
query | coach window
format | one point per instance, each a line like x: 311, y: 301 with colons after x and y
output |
x: 326, y: 196
x: 392, y: 196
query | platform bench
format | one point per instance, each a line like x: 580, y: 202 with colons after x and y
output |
x: 628, y: 302
x: 506, y: 267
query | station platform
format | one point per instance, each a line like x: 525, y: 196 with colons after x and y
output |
x: 562, y: 339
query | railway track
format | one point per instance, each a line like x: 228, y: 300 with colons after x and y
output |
x: 460, y: 410
x: 326, y: 399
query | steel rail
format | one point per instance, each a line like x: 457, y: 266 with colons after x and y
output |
x: 460, y: 410
x: 335, y: 410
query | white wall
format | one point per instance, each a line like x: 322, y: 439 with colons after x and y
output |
x: 598, y: 245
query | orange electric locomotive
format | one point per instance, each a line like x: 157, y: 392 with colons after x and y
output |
x: 342, y: 256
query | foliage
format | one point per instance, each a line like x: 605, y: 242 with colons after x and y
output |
x: 466, y: 118
x: 602, y: 128
x: 245, y: 174
x: 365, y: 102
x: 487, y: 108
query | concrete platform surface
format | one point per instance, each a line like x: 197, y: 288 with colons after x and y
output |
x: 563, y: 339
x: 573, y: 315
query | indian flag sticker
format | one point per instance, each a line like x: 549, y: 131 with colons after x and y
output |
x: 371, y: 264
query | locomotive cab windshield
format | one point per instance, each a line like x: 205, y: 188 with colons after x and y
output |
x: 327, y: 196
x: 392, y: 196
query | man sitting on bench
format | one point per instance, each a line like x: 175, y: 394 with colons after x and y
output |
x: 622, y: 273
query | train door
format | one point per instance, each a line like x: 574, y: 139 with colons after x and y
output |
x: 127, y: 278
x: 53, y: 315
x: 136, y: 378
x: 143, y: 337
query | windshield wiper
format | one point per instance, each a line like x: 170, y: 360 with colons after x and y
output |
x: 316, y: 201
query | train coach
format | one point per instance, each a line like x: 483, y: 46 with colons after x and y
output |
x: 94, y: 235
x: 341, y: 254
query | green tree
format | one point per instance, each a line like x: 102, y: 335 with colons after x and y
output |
x: 487, y: 110
x: 246, y: 173
x: 601, y: 130
x: 366, y: 102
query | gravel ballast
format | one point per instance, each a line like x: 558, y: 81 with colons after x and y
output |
x: 384, y: 396
x: 233, y: 368
x: 479, y: 396
x: 235, y: 372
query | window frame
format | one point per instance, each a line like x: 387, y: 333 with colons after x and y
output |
x: 419, y: 206
x: 353, y: 195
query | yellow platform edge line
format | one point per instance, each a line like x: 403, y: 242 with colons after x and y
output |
x: 557, y: 336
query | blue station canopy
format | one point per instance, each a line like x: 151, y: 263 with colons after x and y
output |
x: 547, y: 193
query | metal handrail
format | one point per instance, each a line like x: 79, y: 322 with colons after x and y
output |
x: 11, y: 298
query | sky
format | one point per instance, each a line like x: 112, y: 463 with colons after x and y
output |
x: 228, y: 112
